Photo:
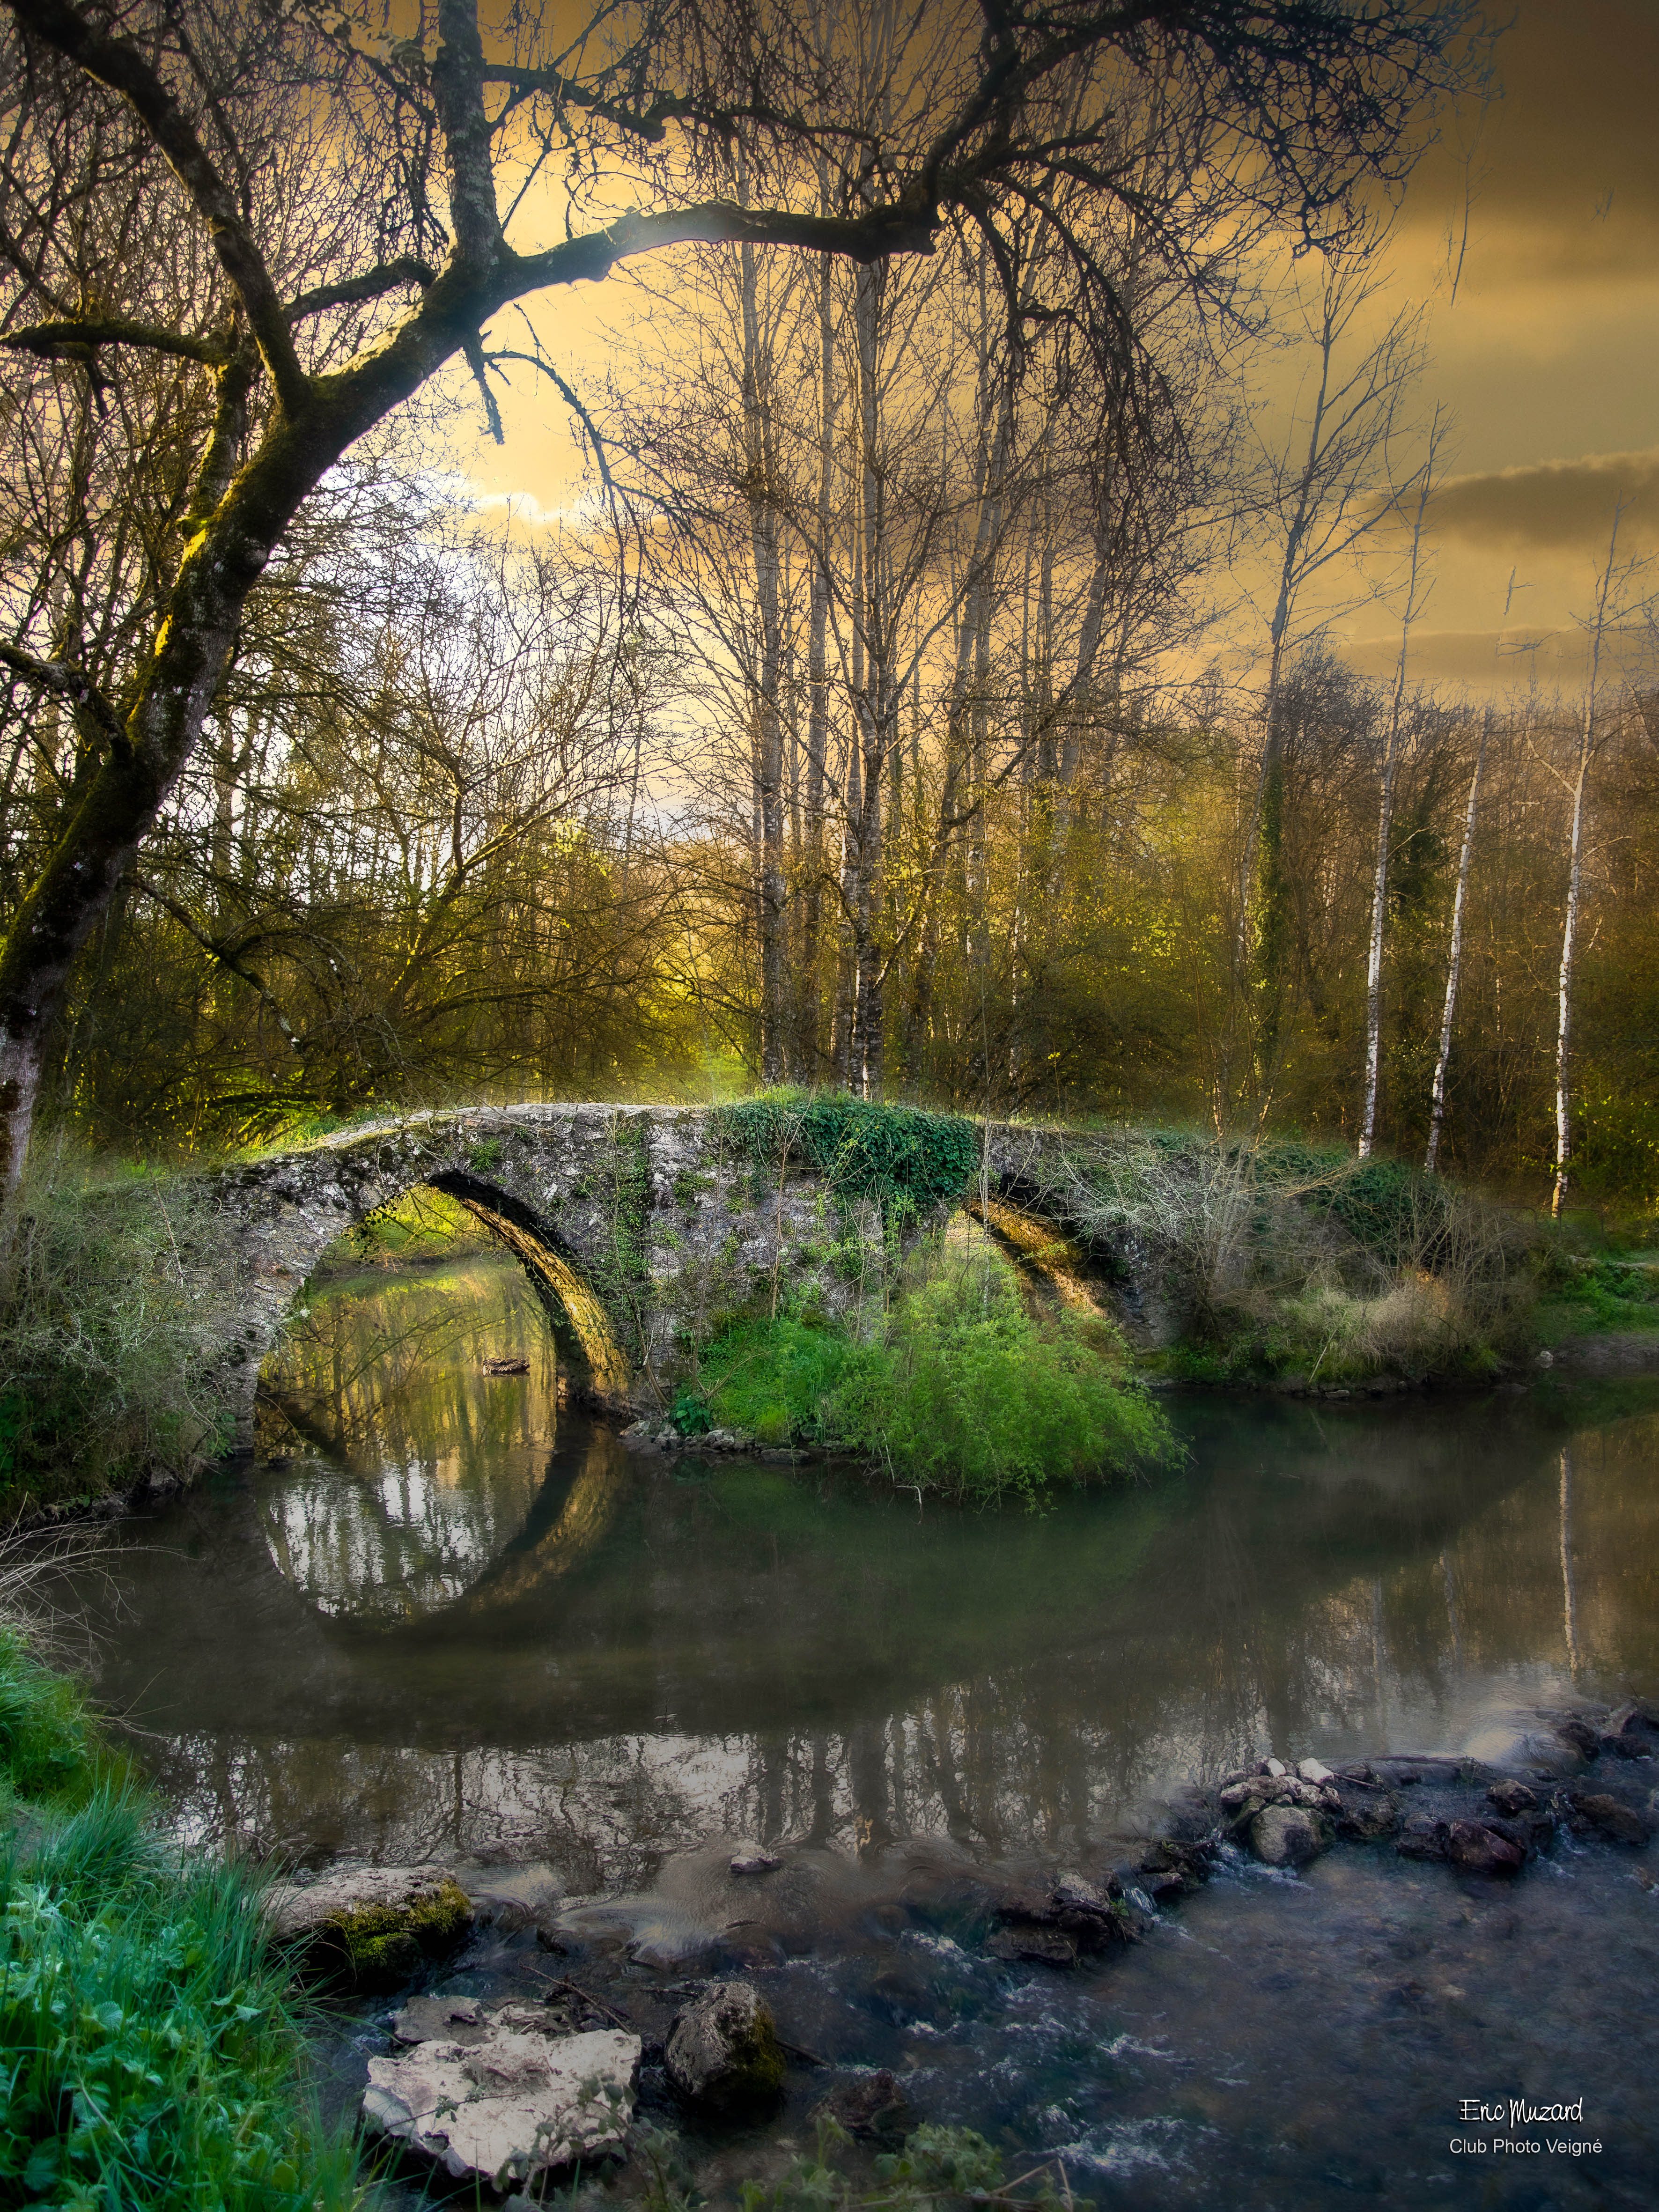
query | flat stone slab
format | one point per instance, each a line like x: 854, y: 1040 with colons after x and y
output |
x: 511, y: 2107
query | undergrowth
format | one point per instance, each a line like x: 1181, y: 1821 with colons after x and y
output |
x: 1598, y: 1292
x: 1282, y: 1258
x: 149, y: 2059
x: 118, y: 1292
x: 956, y: 1388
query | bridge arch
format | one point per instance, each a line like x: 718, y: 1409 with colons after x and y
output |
x: 574, y: 1312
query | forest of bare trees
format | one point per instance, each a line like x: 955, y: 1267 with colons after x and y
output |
x: 862, y: 725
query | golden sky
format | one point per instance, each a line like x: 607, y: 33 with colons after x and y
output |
x: 1546, y: 355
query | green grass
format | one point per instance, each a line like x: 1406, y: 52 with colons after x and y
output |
x: 148, y: 2054
x: 1591, y: 1294
x: 959, y: 1390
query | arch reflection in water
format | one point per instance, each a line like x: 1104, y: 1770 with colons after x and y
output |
x: 660, y: 1653
x: 413, y: 1469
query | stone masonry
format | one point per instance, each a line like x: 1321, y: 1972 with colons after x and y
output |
x: 640, y: 1226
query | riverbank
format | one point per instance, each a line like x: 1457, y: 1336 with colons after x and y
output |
x: 153, y: 2053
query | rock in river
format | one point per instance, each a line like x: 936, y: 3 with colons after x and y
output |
x: 371, y: 1926
x: 723, y: 2051
x: 1620, y: 1822
x: 1288, y: 1835
x: 515, y: 2105
x: 1476, y: 1848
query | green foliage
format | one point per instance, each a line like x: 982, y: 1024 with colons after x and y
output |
x: 959, y: 1391
x: 150, y: 2059
x: 119, y: 1294
x: 939, y: 2168
x: 968, y: 1395
x: 46, y: 1749
x: 485, y: 1155
x: 1600, y: 1291
x: 910, y: 1161
x: 689, y: 1413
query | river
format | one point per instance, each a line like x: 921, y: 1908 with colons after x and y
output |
x: 442, y: 1619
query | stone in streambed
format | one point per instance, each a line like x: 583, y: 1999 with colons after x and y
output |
x: 1578, y: 1735
x: 510, y: 2108
x: 1288, y: 1836
x: 371, y: 1927
x: 1475, y: 1847
x: 1621, y: 1824
x: 440, y: 2020
x: 1367, y: 1816
x: 754, y: 1862
x: 1424, y: 1837
x: 1511, y: 1798
x: 1044, y: 1946
x: 723, y: 2052
x: 873, y: 2108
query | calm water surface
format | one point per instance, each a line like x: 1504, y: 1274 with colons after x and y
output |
x: 443, y: 1618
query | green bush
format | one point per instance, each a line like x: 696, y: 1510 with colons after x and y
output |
x: 149, y: 2055
x: 958, y: 1390
x: 968, y: 1395
x: 119, y: 1295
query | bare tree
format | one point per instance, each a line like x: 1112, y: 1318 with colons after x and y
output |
x: 1454, y: 950
x: 421, y: 132
x: 1321, y: 502
x: 1612, y: 603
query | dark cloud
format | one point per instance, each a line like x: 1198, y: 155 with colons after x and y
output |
x: 1490, y: 662
x: 1565, y: 163
x: 1565, y: 506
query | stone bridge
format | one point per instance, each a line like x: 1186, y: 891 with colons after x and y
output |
x: 640, y: 1227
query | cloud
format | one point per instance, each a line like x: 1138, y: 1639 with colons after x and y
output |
x: 1559, y: 505
x: 1565, y: 189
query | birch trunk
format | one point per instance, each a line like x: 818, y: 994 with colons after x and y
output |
x: 1575, y: 889
x: 1454, y: 954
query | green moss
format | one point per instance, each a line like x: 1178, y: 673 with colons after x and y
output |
x: 756, y: 2072
x: 381, y: 1945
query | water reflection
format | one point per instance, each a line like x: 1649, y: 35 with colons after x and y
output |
x: 444, y: 1627
x: 407, y: 1465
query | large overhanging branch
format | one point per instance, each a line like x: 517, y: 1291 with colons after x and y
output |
x: 63, y: 681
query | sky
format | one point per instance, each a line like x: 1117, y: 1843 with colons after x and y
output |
x: 1546, y: 355
x: 1544, y: 199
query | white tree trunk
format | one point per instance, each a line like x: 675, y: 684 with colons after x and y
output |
x: 1454, y: 954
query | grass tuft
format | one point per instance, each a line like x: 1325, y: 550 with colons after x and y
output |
x: 150, y: 2057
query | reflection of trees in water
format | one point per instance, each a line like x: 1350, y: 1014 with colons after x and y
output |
x: 385, y: 1380
x: 1238, y: 1628
x: 389, y: 1369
